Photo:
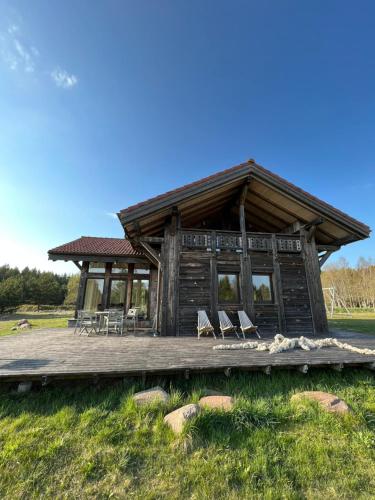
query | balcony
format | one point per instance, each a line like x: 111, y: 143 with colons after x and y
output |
x: 218, y: 241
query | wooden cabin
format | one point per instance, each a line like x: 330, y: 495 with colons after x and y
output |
x: 242, y: 239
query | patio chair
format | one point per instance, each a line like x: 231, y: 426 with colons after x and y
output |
x: 86, y: 322
x: 133, y: 315
x: 246, y: 324
x: 226, y: 326
x: 114, y: 321
x: 204, y: 325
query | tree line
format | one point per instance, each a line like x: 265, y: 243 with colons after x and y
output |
x: 354, y: 286
x: 30, y: 286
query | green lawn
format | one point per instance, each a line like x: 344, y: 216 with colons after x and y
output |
x: 359, y: 322
x: 80, y: 441
x: 37, y: 320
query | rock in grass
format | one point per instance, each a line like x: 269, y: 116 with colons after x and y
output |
x: 329, y: 402
x: 156, y: 394
x: 23, y: 322
x: 24, y: 326
x: 176, y: 419
x: 217, y: 402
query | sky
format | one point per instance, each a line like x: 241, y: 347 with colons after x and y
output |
x: 107, y: 103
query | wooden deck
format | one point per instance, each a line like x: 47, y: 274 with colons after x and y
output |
x: 49, y: 354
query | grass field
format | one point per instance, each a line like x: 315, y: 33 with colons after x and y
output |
x: 36, y: 319
x: 80, y: 441
x: 359, y: 322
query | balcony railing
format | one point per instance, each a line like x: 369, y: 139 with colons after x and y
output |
x: 232, y: 241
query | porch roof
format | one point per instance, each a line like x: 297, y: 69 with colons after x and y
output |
x: 90, y: 247
x: 272, y: 205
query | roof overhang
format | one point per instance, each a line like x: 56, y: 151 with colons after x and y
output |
x: 272, y: 205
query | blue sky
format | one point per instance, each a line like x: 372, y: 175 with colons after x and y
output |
x: 104, y: 104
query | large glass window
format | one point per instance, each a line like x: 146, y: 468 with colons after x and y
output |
x: 141, y: 269
x: 117, y: 293
x: 94, y: 294
x: 228, y: 288
x: 262, y: 287
x: 119, y: 268
x: 140, y: 296
x: 97, y: 267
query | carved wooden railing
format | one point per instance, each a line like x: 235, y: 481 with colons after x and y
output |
x: 232, y: 241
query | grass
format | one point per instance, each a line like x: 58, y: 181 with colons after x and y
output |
x: 36, y: 319
x: 362, y: 322
x: 81, y: 441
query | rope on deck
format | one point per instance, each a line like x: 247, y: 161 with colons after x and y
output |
x: 281, y: 343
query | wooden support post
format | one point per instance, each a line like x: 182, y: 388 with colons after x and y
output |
x: 129, y: 288
x: 278, y: 290
x: 171, y: 253
x: 312, y: 268
x: 246, y: 274
x: 158, y: 296
x: 107, y: 286
x: 81, y: 288
x: 214, y: 291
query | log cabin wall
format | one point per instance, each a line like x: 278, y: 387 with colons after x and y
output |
x: 193, y: 260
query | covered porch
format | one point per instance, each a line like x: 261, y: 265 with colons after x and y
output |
x: 113, y: 276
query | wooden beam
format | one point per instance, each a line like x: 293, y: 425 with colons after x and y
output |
x: 293, y: 228
x: 278, y: 290
x: 323, y: 258
x: 327, y: 248
x: 152, y: 239
x: 78, y: 265
x: 151, y: 253
x: 312, y: 269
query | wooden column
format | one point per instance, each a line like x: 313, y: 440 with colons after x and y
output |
x: 312, y: 268
x: 278, y: 289
x: 81, y: 288
x: 106, y: 287
x: 171, y: 252
x: 214, y: 290
x: 246, y: 273
x: 129, y: 287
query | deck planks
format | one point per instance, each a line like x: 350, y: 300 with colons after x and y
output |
x: 60, y: 354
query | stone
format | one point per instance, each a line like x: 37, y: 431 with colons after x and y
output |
x: 177, y: 418
x: 13, y: 328
x: 217, y: 402
x: 24, y: 387
x: 24, y: 326
x: 22, y: 322
x: 329, y: 402
x: 151, y: 396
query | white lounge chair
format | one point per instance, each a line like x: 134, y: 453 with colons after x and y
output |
x: 246, y: 325
x: 204, y: 324
x: 226, y: 326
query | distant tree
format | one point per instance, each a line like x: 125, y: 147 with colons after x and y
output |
x: 10, y: 293
x: 72, y: 290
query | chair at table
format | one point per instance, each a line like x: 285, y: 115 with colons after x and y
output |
x: 114, y: 321
x: 132, y: 314
x: 86, y: 323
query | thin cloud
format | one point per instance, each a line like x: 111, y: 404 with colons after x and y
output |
x: 63, y: 79
x: 19, y: 55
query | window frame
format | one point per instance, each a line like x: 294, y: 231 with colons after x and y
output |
x: 237, y: 287
x: 270, y: 276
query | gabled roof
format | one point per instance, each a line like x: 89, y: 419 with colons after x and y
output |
x: 95, y: 247
x: 272, y: 204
